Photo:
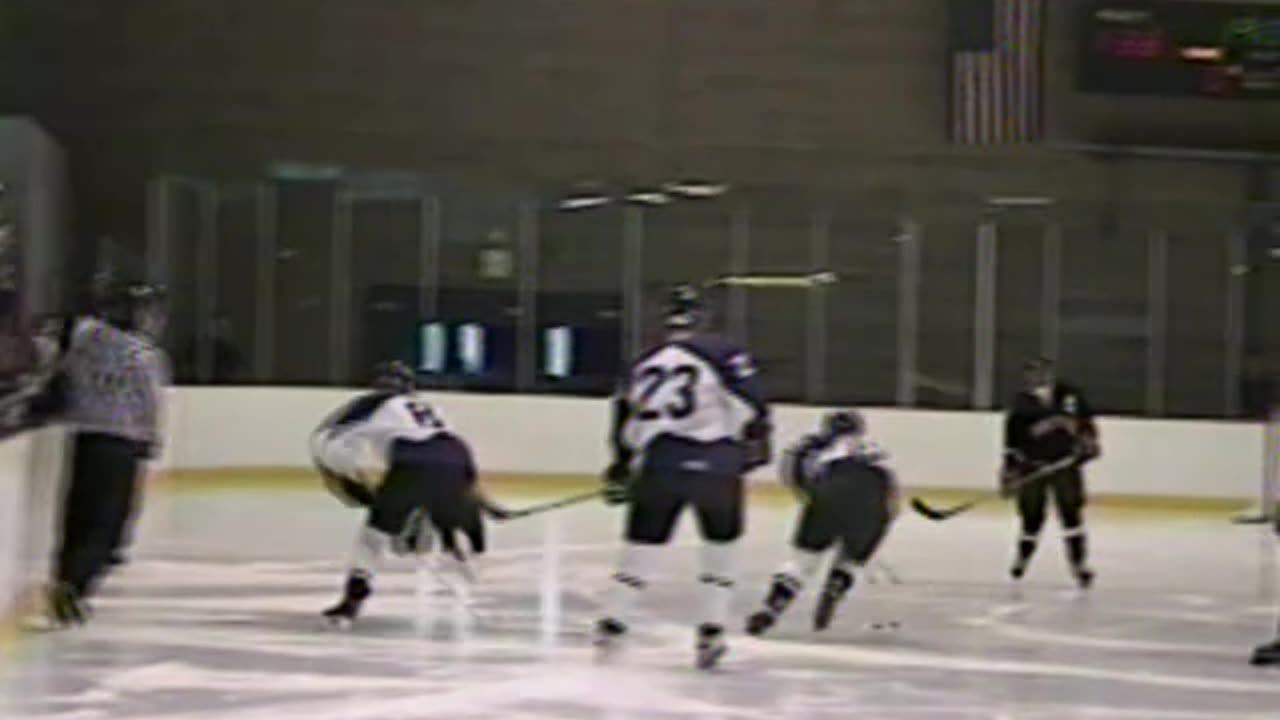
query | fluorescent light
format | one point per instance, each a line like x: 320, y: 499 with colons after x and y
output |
x: 649, y: 197
x: 698, y: 189
x: 1019, y: 201
x: 1203, y: 54
x: 583, y: 202
x: 433, y: 348
x: 559, y: 351
x: 471, y: 350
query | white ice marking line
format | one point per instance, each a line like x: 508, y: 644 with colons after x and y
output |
x: 994, y: 621
x: 167, y: 676
x: 1241, y: 616
x: 474, y: 695
x: 82, y: 714
x: 913, y: 659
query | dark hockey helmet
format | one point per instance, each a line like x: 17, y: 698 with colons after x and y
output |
x: 843, y: 422
x: 1038, y: 371
x: 134, y: 306
x: 684, y: 307
x: 394, y: 376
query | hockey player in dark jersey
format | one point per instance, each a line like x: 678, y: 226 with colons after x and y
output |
x: 849, y: 502
x: 689, y: 422
x: 423, y: 479
x: 1050, y: 421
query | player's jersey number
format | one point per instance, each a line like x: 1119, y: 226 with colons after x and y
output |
x: 654, y: 378
x: 423, y: 414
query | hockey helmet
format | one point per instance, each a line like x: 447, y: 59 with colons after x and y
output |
x: 394, y: 376
x: 134, y: 306
x: 1038, y: 372
x: 841, y: 423
x: 684, y: 307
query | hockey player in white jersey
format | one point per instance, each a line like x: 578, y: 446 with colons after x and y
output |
x: 849, y: 502
x: 689, y: 422
x: 390, y: 451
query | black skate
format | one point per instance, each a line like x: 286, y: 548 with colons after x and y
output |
x: 1266, y: 655
x: 781, y: 593
x: 608, y: 637
x: 1084, y: 576
x: 344, y: 614
x: 1019, y: 568
x: 711, y: 646
x: 759, y: 623
x: 838, y: 584
x: 67, y: 607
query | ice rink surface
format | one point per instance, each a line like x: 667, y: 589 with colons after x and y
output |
x: 218, y: 618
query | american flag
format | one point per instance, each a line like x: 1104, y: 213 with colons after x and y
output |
x: 996, y: 55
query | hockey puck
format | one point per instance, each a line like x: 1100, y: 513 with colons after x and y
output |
x: 886, y: 626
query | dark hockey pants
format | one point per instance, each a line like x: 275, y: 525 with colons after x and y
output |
x: 443, y: 491
x: 96, y: 508
x: 854, y: 513
x: 1067, y: 490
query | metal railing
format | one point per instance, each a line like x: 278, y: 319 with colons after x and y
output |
x: 307, y: 282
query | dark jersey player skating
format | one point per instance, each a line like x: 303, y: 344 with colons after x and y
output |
x: 1049, y: 421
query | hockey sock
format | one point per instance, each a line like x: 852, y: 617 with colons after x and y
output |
x: 1077, y: 547
x: 371, y: 545
x: 717, y: 582
x: 629, y: 581
x: 1026, y: 549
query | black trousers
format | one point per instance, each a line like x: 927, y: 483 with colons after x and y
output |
x: 1068, y: 493
x: 442, y: 491
x: 659, y: 496
x: 96, y: 507
x: 853, y: 512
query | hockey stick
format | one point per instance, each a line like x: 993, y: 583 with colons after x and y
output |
x: 1253, y: 519
x: 502, y: 514
x: 939, y: 515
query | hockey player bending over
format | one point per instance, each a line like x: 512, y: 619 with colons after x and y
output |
x: 1050, y: 421
x: 849, y: 501
x: 426, y: 474
x: 689, y: 421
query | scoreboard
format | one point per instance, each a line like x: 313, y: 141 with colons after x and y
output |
x: 1165, y: 47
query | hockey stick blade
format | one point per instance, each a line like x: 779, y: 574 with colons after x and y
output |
x: 503, y: 515
x: 938, y: 515
x: 1252, y: 520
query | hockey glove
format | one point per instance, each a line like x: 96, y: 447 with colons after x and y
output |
x: 348, y: 491
x: 757, y: 437
x: 617, y: 483
x: 1011, y: 472
x: 1089, y: 448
